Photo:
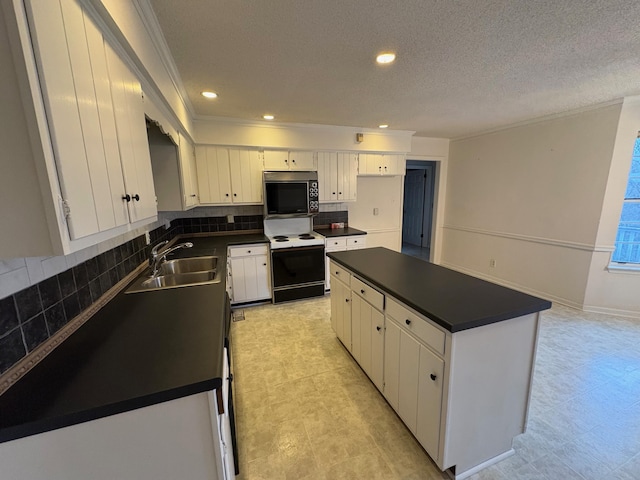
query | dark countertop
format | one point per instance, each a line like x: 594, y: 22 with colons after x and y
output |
x: 138, y: 350
x: 338, y: 232
x: 452, y: 299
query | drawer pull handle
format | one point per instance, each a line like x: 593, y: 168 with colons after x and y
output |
x: 407, y: 321
x: 362, y: 292
x: 378, y: 328
x: 433, y: 377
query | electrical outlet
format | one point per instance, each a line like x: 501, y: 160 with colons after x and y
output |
x: 492, y: 263
x: 147, y: 238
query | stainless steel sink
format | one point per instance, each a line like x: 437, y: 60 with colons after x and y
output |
x: 187, y: 265
x: 175, y: 280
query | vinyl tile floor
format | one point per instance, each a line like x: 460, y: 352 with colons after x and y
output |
x: 305, y: 410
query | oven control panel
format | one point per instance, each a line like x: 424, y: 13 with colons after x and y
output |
x: 314, y: 192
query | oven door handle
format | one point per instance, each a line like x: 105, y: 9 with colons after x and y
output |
x: 280, y: 251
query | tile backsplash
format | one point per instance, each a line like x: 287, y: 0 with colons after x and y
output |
x: 31, y: 315
x: 327, y: 218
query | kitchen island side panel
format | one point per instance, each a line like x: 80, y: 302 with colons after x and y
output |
x: 487, y: 402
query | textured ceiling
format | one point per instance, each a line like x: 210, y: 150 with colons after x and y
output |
x: 463, y: 66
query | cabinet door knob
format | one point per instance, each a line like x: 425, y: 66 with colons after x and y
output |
x: 378, y: 328
x: 248, y: 251
x: 362, y: 292
x: 264, y: 264
x: 337, y: 273
x: 346, y: 300
x: 136, y: 197
x: 294, y: 160
x: 235, y: 195
x: 127, y: 197
x: 226, y: 194
x: 231, y: 377
x: 433, y: 377
x: 339, y: 193
x: 193, y: 194
x: 407, y: 321
x: 333, y: 193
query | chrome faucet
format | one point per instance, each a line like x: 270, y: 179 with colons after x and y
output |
x: 156, y: 259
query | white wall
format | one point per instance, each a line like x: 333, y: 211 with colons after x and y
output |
x: 609, y: 291
x: 298, y: 136
x: 384, y: 229
x: 530, y: 197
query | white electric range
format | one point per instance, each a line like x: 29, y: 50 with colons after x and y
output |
x: 291, y: 233
x: 297, y: 258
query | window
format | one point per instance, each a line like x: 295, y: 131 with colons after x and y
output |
x: 627, y: 249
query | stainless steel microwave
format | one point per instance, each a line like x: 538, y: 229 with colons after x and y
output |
x: 290, y: 194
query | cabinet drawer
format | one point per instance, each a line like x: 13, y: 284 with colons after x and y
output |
x: 367, y: 292
x: 340, y: 272
x: 336, y: 243
x: 245, y: 250
x: 358, y: 241
x: 417, y: 324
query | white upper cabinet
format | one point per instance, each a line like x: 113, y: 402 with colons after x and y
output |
x: 285, y: 160
x: 337, y: 176
x: 229, y: 175
x: 214, y: 182
x: 91, y: 152
x: 128, y: 108
x: 95, y: 114
x: 246, y: 175
x: 189, y: 175
x: 381, y: 164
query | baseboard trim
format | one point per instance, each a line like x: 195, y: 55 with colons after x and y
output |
x: 482, y: 466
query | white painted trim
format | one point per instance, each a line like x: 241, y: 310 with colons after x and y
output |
x: 624, y: 268
x: 544, y: 118
x: 530, y: 238
x: 618, y: 312
x: 150, y: 21
x: 287, y: 126
x: 482, y: 466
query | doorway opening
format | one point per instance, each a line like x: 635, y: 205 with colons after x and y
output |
x: 417, y: 210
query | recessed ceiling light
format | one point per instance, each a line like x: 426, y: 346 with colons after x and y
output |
x: 386, y: 57
x: 209, y: 95
x: 268, y: 117
x: 383, y: 126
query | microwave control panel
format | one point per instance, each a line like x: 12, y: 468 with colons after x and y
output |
x: 314, y: 201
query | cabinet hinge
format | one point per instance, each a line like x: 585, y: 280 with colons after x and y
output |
x: 66, y: 209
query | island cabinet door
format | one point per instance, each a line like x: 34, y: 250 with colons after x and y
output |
x: 391, y: 363
x: 408, y: 380
x: 431, y: 374
x: 341, y: 311
x: 367, y: 325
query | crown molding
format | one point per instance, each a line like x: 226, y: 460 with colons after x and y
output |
x: 150, y: 21
x: 310, y: 126
x: 544, y: 118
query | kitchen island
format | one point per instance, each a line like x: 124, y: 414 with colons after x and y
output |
x: 452, y: 354
x: 144, y: 377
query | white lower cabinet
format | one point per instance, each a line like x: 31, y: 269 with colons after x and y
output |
x: 248, y: 273
x: 367, y: 328
x: 340, y: 244
x: 462, y: 400
x: 430, y: 381
x: 341, y: 307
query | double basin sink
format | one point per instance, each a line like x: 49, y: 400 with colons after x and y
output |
x: 181, y: 272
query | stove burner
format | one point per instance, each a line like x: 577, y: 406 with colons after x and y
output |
x: 306, y: 236
x: 280, y: 237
